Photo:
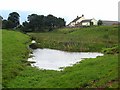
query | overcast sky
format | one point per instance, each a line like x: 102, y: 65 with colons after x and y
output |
x: 67, y: 9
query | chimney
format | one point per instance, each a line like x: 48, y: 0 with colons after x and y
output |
x: 82, y: 15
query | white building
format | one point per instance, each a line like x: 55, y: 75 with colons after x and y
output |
x: 88, y: 22
x: 81, y: 21
x: 76, y: 21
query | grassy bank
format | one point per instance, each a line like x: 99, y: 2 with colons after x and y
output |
x: 90, y: 73
x: 90, y: 39
x: 100, y: 72
x: 14, y: 54
x: 0, y: 58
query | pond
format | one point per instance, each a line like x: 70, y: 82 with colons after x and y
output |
x: 51, y: 59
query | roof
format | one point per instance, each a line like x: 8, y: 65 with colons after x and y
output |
x: 86, y: 20
x: 106, y: 22
x: 109, y: 21
x: 76, y: 19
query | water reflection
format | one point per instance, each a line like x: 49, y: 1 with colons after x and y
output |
x: 54, y: 59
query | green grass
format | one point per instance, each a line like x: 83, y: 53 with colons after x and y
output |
x: 93, y: 73
x: 78, y: 39
x: 100, y: 72
x: 14, y: 54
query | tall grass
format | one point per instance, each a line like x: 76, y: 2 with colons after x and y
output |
x: 78, y: 39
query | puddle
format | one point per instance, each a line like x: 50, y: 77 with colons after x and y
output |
x: 51, y: 59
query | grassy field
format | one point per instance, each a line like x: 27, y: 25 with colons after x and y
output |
x: 74, y: 39
x: 100, y: 72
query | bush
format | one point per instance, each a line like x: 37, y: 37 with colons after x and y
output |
x: 113, y: 50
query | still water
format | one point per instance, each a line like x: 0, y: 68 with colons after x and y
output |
x: 51, y: 59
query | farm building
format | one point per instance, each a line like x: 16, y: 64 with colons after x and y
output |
x: 88, y: 22
x: 81, y: 21
x: 108, y: 23
x: 76, y: 21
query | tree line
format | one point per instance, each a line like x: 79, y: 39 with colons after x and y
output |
x: 34, y: 22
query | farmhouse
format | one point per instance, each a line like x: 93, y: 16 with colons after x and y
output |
x: 88, y: 22
x: 76, y: 21
x: 81, y: 21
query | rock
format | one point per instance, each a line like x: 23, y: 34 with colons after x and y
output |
x: 33, y: 41
x: 33, y: 46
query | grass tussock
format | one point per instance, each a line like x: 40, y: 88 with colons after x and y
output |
x: 90, y: 39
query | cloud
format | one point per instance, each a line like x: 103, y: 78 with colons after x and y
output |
x: 68, y: 9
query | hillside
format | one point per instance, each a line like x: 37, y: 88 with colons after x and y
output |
x: 100, y: 72
x: 14, y: 54
x: 91, y: 39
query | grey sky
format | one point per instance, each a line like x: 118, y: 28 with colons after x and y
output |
x: 68, y: 9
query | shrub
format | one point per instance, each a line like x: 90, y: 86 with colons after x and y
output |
x: 112, y: 50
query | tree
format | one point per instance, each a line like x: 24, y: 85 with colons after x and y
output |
x: 100, y: 22
x: 6, y: 24
x: 42, y: 23
x: 13, y: 19
x: 36, y: 22
x: 54, y: 22
x: 25, y: 27
x: 1, y: 21
x: 50, y: 22
x: 60, y: 22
